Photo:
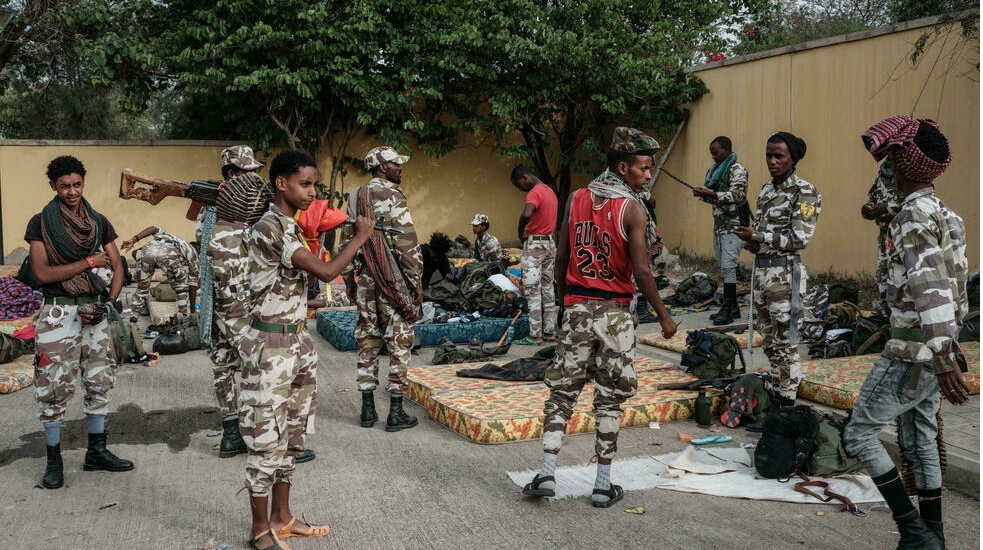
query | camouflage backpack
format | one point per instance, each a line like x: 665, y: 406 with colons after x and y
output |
x: 711, y: 354
x: 163, y: 292
x: 126, y: 343
x: 696, y: 288
x: 11, y: 348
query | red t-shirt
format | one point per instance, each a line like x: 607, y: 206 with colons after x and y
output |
x: 543, y: 220
x: 599, y: 257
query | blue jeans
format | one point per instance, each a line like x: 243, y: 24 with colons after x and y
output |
x: 885, y: 395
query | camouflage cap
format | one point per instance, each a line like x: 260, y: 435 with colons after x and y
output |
x: 479, y: 219
x: 240, y: 156
x: 632, y: 141
x: 386, y: 153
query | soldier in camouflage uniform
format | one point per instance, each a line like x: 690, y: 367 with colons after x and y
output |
x: 68, y: 240
x: 176, y: 259
x: 486, y: 246
x: 926, y: 291
x: 726, y: 189
x: 388, y: 293
x: 788, y: 208
x: 605, y: 228
x: 279, y: 362
x: 882, y: 204
x: 536, y: 226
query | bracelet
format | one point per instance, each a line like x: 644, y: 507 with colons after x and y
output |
x: 88, y: 260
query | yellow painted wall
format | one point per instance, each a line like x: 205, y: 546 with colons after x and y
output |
x: 828, y: 96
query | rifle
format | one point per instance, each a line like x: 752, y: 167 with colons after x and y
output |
x: 378, y: 227
x: 134, y: 185
x: 744, y: 209
x: 694, y: 385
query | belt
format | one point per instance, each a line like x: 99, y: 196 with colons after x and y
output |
x: 577, y: 290
x: 72, y: 300
x: 540, y: 237
x: 276, y: 328
x: 777, y: 261
x: 908, y: 334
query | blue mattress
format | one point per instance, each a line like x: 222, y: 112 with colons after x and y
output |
x: 337, y: 326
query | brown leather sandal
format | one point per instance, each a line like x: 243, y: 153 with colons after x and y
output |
x: 311, y: 532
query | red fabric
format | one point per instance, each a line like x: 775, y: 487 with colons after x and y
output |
x: 543, y: 220
x: 899, y: 131
x: 318, y: 218
x: 599, y: 257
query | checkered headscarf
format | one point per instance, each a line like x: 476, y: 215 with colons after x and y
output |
x: 899, y: 131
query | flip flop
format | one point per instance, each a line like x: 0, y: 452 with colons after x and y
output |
x: 738, y: 406
x: 526, y: 342
x: 533, y: 489
x: 311, y: 532
x: 614, y: 494
x: 548, y: 338
x: 710, y: 439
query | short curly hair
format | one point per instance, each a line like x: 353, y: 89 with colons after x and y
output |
x: 440, y: 244
x: 63, y: 166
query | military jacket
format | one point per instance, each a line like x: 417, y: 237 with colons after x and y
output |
x: 884, y: 191
x: 926, y: 281
x: 278, y: 290
x: 725, y: 213
x: 186, y: 251
x: 787, y: 215
x: 488, y: 249
x: 230, y: 269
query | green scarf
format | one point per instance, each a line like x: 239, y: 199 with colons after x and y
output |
x: 67, y: 244
x: 719, y: 172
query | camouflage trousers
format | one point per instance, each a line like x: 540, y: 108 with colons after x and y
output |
x: 174, y: 267
x: 226, y: 363
x: 727, y: 248
x: 66, y: 352
x: 538, y: 261
x: 597, y: 341
x: 772, y: 317
x: 277, y: 397
x: 880, y: 275
x: 379, y: 323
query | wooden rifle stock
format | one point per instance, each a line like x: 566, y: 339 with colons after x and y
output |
x: 134, y: 185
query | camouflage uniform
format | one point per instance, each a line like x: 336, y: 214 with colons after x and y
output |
x: 604, y: 329
x: 538, y: 259
x: 73, y: 350
x: 786, y: 221
x: 726, y: 245
x: 883, y: 191
x: 378, y: 321
x: 926, y: 291
x: 488, y: 249
x: 176, y: 259
x: 279, y: 362
x: 229, y: 260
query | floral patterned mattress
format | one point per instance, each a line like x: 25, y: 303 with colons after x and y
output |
x: 836, y: 382
x: 678, y: 342
x: 494, y: 411
x: 337, y: 326
x: 17, y: 374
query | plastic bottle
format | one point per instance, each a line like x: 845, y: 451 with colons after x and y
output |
x: 510, y: 336
x: 702, y: 409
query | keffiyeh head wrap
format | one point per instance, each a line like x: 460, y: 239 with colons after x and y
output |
x: 899, y: 132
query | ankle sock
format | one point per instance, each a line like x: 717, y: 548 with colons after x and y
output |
x: 930, y: 504
x: 549, y: 465
x: 603, y: 479
x: 52, y: 432
x: 892, y: 489
x: 97, y: 423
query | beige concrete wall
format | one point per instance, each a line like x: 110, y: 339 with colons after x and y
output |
x: 827, y: 95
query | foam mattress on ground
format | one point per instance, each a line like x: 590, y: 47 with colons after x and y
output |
x: 17, y: 374
x: 678, y: 342
x: 836, y: 382
x: 161, y: 312
x: 337, y: 326
x: 515, y: 413
x: 12, y: 325
x: 424, y: 382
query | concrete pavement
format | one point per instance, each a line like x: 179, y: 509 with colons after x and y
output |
x: 420, y: 488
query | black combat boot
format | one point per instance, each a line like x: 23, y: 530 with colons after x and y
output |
x: 730, y: 310
x: 398, y: 419
x: 915, y: 535
x: 53, y: 473
x: 936, y: 527
x: 97, y: 457
x: 369, y: 416
x: 232, y: 443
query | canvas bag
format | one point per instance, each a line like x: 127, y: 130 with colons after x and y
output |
x: 786, y: 442
x: 828, y: 458
x: 127, y: 345
x: 710, y: 354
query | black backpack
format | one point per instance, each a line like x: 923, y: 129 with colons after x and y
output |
x: 786, y: 442
x: 711, y: 354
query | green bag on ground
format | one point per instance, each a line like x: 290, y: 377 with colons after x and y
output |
x: 710, y: 354
x: 192, y: 331
x: 828, y: 457
x: 870, y: 334
x: 163, y: 292
x: 11, y: 348
x: 446, y: 294
x: 127, y: 345
x: 694, y: 289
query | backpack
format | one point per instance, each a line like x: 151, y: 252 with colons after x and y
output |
x: 828, y: 457
x: 127, y: 346
x: 828, y: 350
x: 710, y: 354
x: 870, y: 334
x: 696, y: 288
x: 841, y: 315
x: 748, y: 400
x: 11, y: 348
x: 192, y: 331
x: 786, y: 442
x: 163, y: 292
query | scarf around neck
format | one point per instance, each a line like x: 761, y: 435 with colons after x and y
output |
x: 718, y: 172
x: 72, y: 236
x: 609, y: 185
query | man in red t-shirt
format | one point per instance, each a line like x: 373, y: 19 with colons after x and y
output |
x: 605, y: 230
x: 536, y: 226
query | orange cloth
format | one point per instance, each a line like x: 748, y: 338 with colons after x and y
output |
x: 318, y: 218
